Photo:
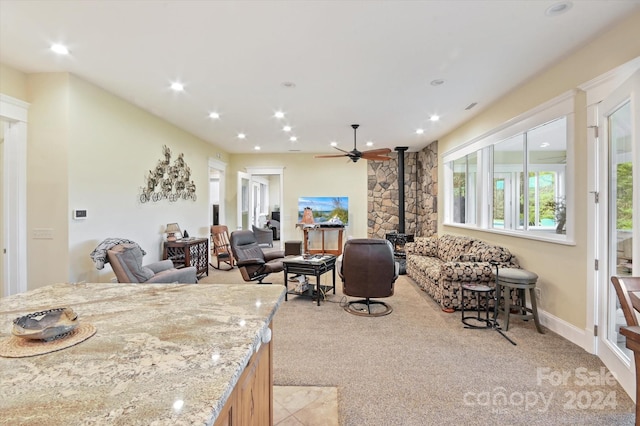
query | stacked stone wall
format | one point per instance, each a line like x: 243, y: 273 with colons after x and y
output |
x: 421, y: 186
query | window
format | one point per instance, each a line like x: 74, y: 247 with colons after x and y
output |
x: 464, y: 194
x: 514, y: 179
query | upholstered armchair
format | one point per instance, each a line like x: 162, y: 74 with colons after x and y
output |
x: 274, y: 225
x: 253, y: 262
x: 368, y: 271
x: 263, y: 235
x: 126, y: 262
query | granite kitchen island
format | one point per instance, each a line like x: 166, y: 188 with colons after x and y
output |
x: 162, y: 354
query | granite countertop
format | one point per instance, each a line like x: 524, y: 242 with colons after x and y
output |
x: 163, y: 354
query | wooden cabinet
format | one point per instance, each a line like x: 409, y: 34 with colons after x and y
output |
x: 329, y: 241
x: 192, y: 252
x: 251, y: 402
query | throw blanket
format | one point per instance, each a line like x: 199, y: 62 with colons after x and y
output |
x: 99, y: 254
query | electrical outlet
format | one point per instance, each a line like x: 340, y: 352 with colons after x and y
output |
x: 538, y: 293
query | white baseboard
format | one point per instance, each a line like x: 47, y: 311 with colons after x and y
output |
x: 580, y: 337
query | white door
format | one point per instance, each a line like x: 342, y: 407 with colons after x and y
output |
x: 619, y: 204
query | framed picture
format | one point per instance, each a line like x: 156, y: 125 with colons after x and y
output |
x: 328, y: 210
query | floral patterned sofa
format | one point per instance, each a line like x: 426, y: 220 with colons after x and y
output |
x: 440, y: 265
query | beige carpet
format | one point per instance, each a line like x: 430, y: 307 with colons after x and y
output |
x: 419, y: 366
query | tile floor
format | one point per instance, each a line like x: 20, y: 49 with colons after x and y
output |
x: 305, y: 405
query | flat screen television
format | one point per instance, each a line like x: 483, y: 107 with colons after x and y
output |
x: 330, y: 211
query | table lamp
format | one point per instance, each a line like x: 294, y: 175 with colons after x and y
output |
x: 171, y: 231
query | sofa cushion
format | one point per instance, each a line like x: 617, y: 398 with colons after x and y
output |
x: 484, y: 252
x: 130, y: 257
x: 450, y: 247
x: 425, y: 246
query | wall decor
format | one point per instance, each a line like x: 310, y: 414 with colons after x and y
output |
x: 169, y: 181
x: 323, y: 210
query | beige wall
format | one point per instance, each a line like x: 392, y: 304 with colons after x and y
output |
x: 305, y: 175
x: 88, y: 149
x: 563, y: 270
x: 13, y: 82
x: 47, y: 178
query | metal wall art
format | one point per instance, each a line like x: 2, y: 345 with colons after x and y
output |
x: 169, y: 181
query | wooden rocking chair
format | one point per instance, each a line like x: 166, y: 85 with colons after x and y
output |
x: 221, y: 247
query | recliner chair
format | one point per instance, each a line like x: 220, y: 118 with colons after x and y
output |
x: 253, y: 262
x: 126, y: 262
x: 368, y: 271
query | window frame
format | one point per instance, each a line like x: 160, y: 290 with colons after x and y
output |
x: 557, y: 108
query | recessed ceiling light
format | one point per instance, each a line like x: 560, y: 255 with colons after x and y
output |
x: 434, y: 117
x: 558, y: 8
x: 178, y: 87
x: 60, y: 49
x: 420, y: 131
x: 437, y: 82
x: 279, y: 114
x: 293, y: 138
x: 369, y: 143
x: 286, y: 128
x: 257, y: 148
x: 241, y: 136
x: 334, y: 144
x: 214, y: 115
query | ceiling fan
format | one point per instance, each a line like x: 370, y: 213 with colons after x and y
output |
x: 354, y: 155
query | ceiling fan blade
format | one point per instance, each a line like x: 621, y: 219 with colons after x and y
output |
x: 376, y: 157
x: 380, y: 151
x: 331, y: 156
x: 346, y: 152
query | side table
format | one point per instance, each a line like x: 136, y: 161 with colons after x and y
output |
x: 316, y: 265
x: 189, y: 252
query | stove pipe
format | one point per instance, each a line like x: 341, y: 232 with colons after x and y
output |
x: 401, y: 207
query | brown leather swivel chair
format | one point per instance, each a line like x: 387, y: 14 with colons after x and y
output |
x: 368, y: 271
x: 253, y: 262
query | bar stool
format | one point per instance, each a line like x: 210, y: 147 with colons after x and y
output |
x: 520, y: 280
x: 477, y: 290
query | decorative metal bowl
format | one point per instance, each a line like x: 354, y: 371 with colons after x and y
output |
x: 46, y: 325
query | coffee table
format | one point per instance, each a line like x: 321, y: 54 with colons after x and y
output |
x: 315, y: 265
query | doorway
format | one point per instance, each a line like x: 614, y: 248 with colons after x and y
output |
x: 260, y: 192
x: 14, y: 195
x: 217, y: 205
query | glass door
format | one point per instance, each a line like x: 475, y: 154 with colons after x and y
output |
x: 619, y: 164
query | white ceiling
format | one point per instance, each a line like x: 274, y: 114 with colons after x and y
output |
x: 365, y: 62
